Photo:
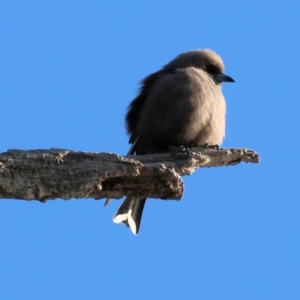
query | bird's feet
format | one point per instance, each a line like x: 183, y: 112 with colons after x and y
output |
x: 215, y: 147
x: 181, y: 152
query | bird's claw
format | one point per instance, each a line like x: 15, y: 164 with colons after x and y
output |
x: 181, y: 152
x: 215, y: 147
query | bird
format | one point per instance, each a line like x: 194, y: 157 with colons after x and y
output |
x: 180, y: 105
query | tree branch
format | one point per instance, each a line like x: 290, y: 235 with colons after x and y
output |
x: 58, y: 173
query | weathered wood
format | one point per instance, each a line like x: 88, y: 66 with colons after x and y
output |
x: 58, y: 173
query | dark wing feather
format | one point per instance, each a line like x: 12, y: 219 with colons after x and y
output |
x: 136, y: 106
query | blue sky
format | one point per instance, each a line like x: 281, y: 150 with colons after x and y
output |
x: 68, y: 70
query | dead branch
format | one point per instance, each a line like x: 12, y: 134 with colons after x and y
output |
x: 58, y: 173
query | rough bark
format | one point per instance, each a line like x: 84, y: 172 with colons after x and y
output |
x: 57, y: 173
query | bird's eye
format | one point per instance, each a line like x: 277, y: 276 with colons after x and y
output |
x: 212, y: 69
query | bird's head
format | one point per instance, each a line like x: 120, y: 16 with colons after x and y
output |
x: 206, y: 60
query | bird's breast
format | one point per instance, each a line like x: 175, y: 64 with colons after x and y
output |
x: 184, y: 108
x: 207, y: 116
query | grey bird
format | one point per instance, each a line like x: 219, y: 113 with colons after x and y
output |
x: 180, y: 105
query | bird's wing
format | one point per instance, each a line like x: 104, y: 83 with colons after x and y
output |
x: 137, y: 105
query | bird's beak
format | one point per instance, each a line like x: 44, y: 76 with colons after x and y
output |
x: 222, y: 78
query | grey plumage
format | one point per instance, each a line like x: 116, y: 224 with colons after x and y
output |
x: 180, y: 105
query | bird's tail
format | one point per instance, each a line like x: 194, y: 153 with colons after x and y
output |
x: 130, y: 213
